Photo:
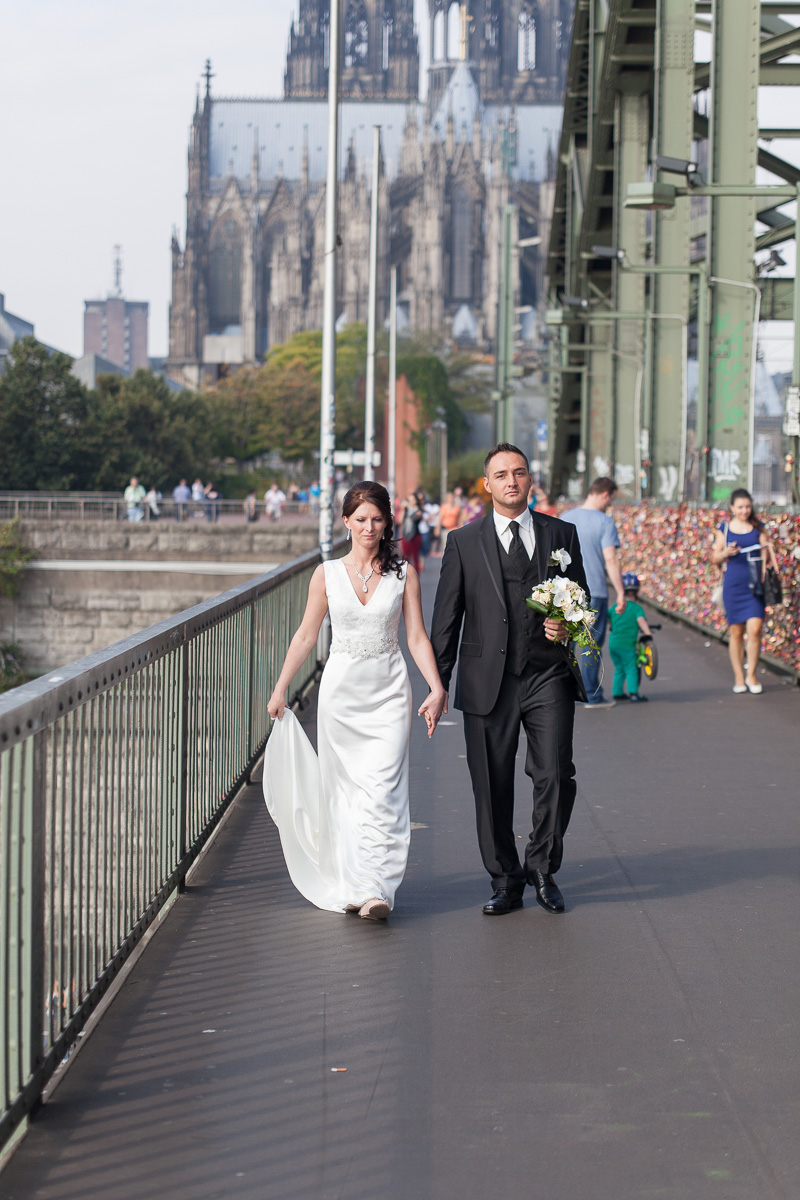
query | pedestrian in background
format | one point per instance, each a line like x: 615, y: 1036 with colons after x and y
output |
x: 198, y: 498
x: 473, y: 509
x: 624, y: 631
x: 274, y: 500
x: 250, y: 506
x: 424, y: 528
x: 151, y: 499
x: 599, y: 541
x: 181, y: 495
x: 740, y: 548
x: 449, y: 519
x: 411, y: 542
x: 134, y: 498
x: 211, y: 503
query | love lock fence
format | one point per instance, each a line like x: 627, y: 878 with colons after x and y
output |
x: 114, y: 771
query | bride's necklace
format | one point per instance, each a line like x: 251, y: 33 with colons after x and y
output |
x: 364, y: 578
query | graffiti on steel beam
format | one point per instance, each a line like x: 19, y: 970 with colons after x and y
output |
x: 667, y: 481
x: 725, y: 465
x: 731, y: 381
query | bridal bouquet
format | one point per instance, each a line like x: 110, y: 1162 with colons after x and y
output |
x: 565, y: 600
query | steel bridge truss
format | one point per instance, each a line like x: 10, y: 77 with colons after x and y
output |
x: 635, y: 289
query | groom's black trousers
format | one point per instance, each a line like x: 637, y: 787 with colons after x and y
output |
x: 546, y: 710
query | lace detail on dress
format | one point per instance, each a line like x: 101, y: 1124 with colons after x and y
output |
x: 363, y: 631
x: 363, y: 646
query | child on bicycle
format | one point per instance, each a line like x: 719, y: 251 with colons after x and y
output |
x: 625, y: 629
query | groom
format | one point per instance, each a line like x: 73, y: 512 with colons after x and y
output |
x: 512, y: 671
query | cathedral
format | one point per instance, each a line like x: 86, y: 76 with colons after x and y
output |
x: 250, y: 273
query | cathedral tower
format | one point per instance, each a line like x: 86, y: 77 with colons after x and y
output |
x: 381, y: 55
x: 517, y: 48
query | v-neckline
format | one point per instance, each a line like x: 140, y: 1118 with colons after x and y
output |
x: 355, y: 590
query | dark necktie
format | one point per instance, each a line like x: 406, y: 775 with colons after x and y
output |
x: 516, y: 551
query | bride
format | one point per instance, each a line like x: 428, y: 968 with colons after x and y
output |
x: 343, y: 817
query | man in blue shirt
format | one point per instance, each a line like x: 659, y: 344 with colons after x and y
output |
x: 599, y: 541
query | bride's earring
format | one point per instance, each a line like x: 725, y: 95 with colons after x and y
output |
x: 349, y: 533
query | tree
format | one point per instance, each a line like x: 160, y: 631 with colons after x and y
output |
x: 43, y: 408
x: 139, y: 427
x: 14, y: 557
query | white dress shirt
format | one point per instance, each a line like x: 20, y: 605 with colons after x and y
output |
x: 526, y: 534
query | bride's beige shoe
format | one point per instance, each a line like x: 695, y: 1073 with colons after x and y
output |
x: 353, y: 908
x: 375, y: 910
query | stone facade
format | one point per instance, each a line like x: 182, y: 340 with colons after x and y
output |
x: 249, y: 274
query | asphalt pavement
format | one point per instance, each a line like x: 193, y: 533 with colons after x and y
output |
x: 642, y: 1045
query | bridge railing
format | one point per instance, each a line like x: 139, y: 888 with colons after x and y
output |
x: 104, y: 506
x: 113, y: 773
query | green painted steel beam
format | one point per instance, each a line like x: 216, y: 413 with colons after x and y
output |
x: 777, y: 299
x: 766, y: 159
x: 631, y: 138
x: 733, y: 155
x: 780, y: 75
x: 775, y: 237
x: 664, y: 419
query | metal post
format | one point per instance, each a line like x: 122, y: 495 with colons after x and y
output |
x: 443, y: 464
x: 327, y: 434
x: 372, y: 314
x: 392, y: 431
x: 632, y: 117
x: 507, y: 432
x: 794, y: 440
x: 502, y: 317
x: 673, y: 132
x: 733, y: 150
x: 701, y: 428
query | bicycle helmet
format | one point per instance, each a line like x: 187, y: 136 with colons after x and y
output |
x: 630, y: 582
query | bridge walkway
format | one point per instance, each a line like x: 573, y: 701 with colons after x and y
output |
x: 643, y: 1045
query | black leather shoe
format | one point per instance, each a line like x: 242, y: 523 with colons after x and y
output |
x: 502, y: 902
x: 547, y: 892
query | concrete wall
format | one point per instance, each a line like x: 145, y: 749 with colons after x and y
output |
x: 166, y: 540
x: 63, y: 612
x: 59, y: 616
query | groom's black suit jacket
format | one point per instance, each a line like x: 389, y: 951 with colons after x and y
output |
x: 471, y: 590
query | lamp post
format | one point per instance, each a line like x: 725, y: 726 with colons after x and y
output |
x: 391, y: 440
x: 504, y: 413
x: 372, y: 312
x: 327, y: 435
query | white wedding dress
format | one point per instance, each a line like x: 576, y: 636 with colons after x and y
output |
x: 343, y: 816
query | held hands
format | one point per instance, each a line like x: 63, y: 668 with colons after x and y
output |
x: 277, y: 705
x: 432, y: 708
x: 621, y: 604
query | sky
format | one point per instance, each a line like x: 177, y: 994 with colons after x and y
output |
x: 97, y: 98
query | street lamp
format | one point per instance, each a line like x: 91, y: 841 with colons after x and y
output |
x: 504, y: 421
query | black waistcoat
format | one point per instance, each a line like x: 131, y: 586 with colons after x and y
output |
x: 527, y: 646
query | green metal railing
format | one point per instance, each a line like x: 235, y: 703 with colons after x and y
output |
x: 113, y: 773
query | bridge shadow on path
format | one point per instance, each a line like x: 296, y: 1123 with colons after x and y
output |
x: 643, y: 1045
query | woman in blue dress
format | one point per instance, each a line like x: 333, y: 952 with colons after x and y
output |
x: 740, y: 547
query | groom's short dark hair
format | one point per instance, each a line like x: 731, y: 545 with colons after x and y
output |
x: 503, y: 448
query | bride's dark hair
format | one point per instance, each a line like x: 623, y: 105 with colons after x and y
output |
x: 375, y: 493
